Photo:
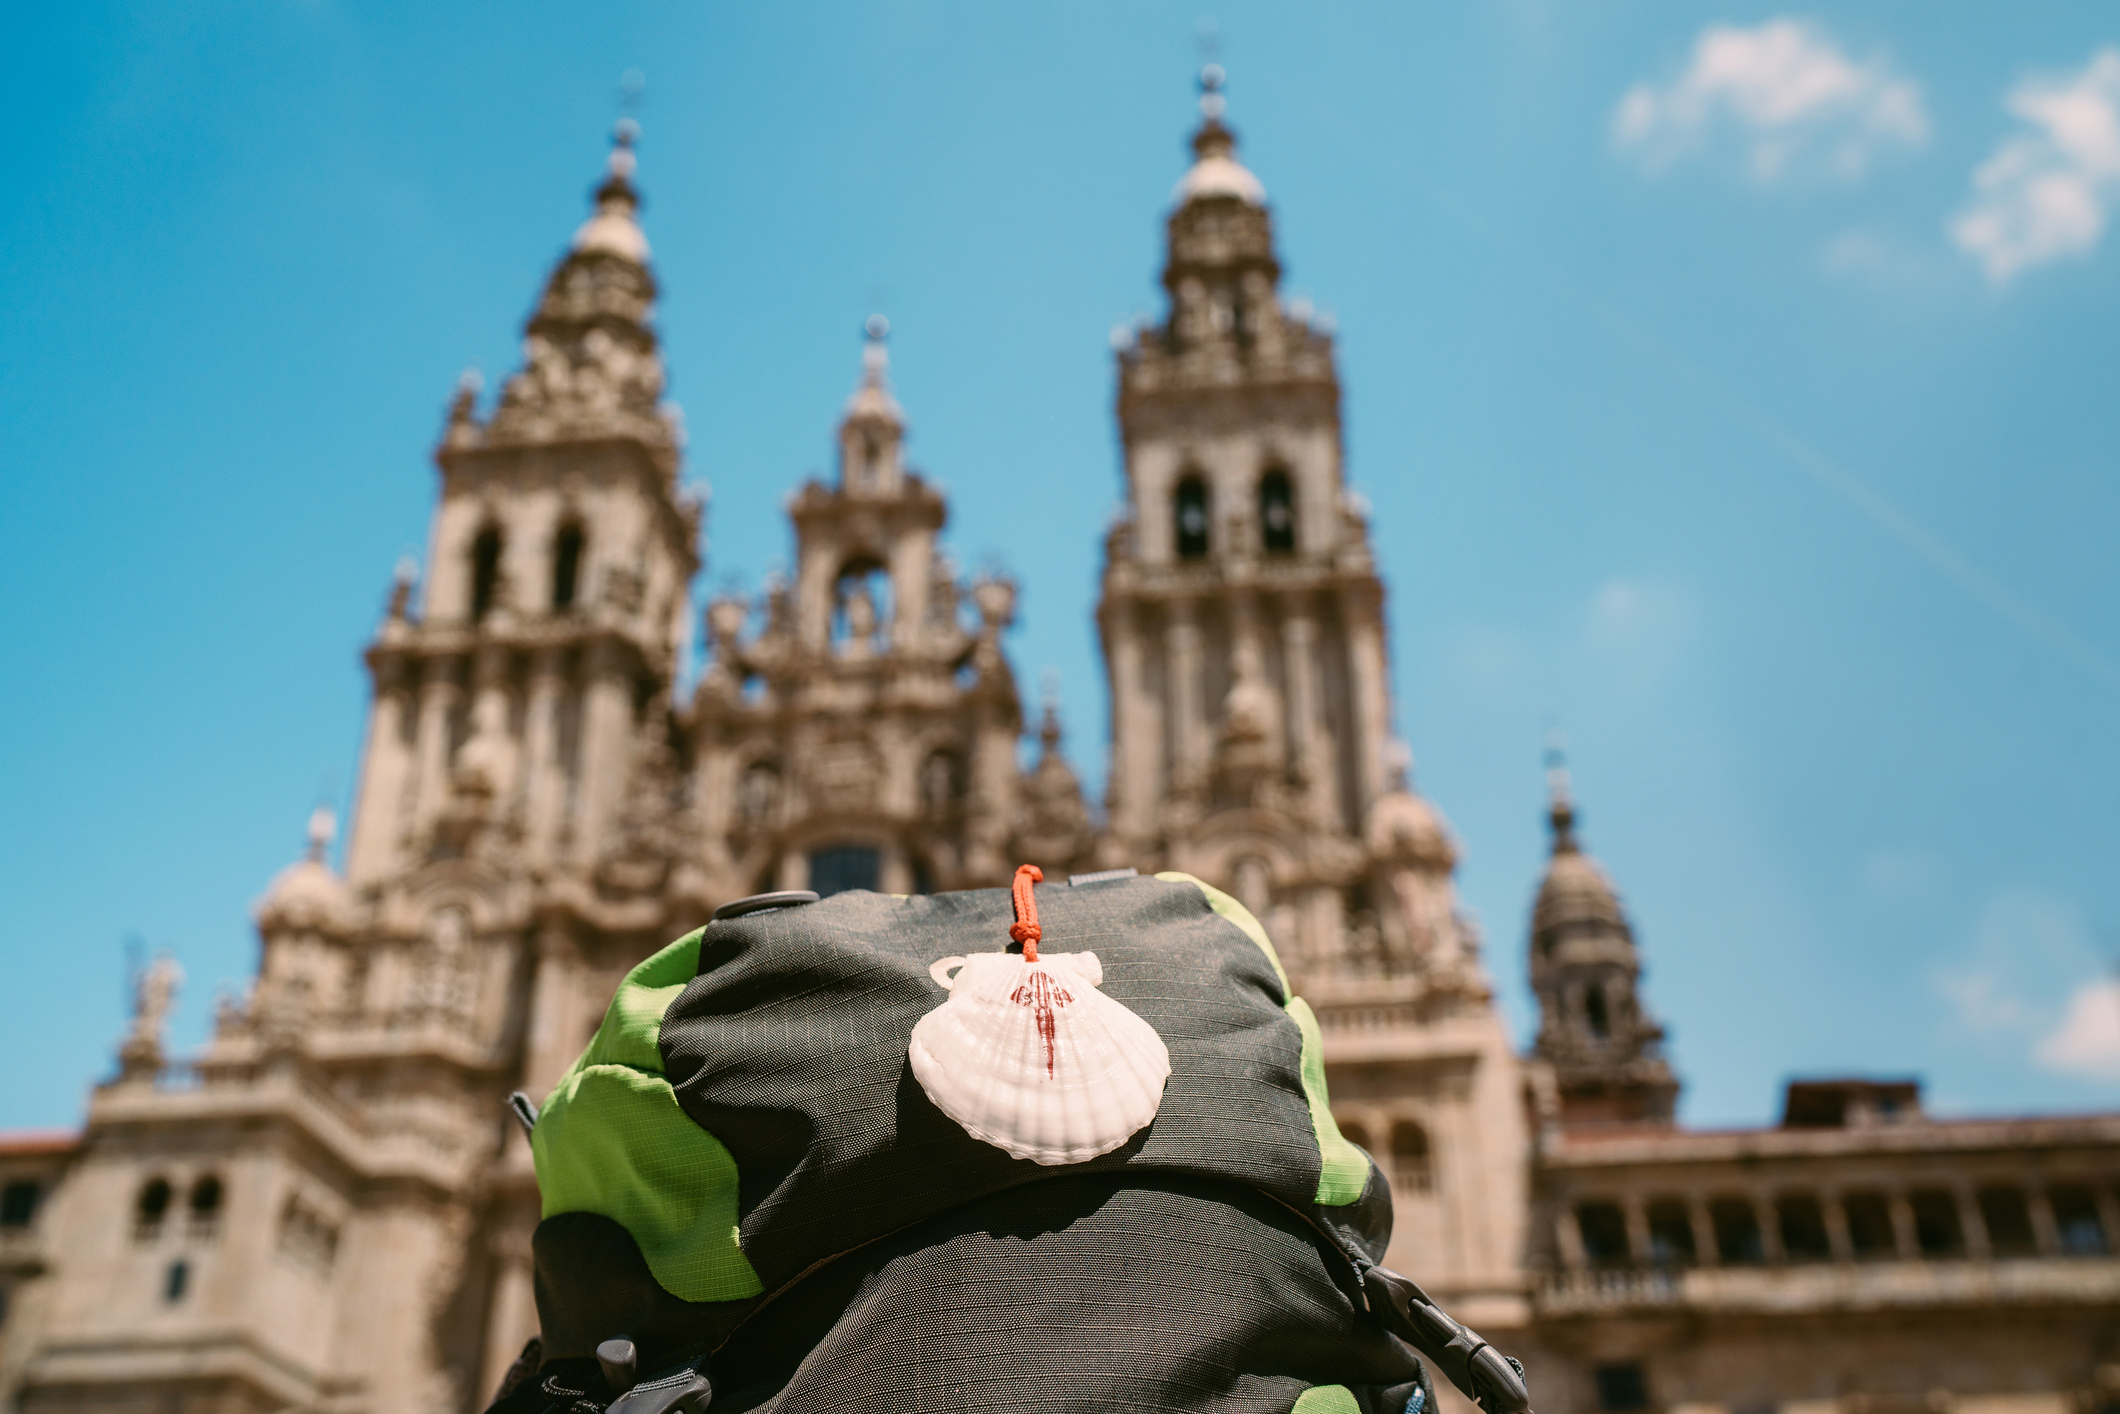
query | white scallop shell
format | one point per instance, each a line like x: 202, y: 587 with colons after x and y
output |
x: 1033, y: 1059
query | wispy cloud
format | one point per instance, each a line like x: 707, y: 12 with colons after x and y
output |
x: 1794, y: 101
x: 2087, y: 1042
x: 2043, y: 194
x: 2036, y: 982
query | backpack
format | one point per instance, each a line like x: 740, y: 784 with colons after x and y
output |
x: 751, y: 1198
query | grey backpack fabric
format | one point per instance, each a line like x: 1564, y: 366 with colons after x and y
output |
x: 1214, y: 1262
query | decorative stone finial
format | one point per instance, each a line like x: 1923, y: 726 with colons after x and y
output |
x: 1560, y: 804
x: 323, y: 827
x: 1215, y: 170
x: 614, y: 229
x: 1212, y: 104
x: 402, y: 580
x: 872, y: 398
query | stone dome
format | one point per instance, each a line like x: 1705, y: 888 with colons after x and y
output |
x: 615, y: 229
x: 1575, y: 893
x: 1403, y: 825
x: 1219, y: 174
x: 307, y: 894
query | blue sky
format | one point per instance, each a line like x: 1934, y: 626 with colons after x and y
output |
x: 1732, y: 386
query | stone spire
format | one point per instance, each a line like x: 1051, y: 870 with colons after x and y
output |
x: 592, y: 369
x: 1215, y: 171
x: 1605, y: 1050
x: 872, y: 432
x: 1221, y: 271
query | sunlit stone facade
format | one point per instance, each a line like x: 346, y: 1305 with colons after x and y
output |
x: 329, y: 1209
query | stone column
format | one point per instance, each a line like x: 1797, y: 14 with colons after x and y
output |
x: 439, y: 693
x: 1299, y: 656
x: 1706, y: 1250
x: 489, y: 717
x: 1569, y: 1234
x: 386, y: 766
x: 1837, y: 1237
x: 543, y: 775
x: 2108, y: 1215
x: 1136, y: 754
x: 554, y: 1039
x: 2046, y: 1233
x: 1371, y: 692
x: 1903, y: 1227
x: 1769, y: 1220
x: 512, y: 1311
x: 607, y: 736
x: 1188, y: 726
x: 1972, y: 1224
x: 1638, y: 1250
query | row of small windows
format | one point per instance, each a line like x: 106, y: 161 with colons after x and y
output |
x: 1937, y: 1223
x: 1192, y: 514
x: 1411, y: 1163
x: 157, y: 1197
x: 567, y: 549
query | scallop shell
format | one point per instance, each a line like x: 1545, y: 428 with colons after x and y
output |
x: 1033, y: 1059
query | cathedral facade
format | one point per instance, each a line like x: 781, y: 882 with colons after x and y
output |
x: 329, y: 1208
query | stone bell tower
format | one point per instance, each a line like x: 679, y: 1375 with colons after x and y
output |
x: 558, y: 560
x: 1605, y: 1052
x: 1252, y: 744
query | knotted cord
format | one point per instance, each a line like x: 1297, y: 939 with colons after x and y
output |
x: 1025, y: 929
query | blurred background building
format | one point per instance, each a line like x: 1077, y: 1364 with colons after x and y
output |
x: 329, y: 1207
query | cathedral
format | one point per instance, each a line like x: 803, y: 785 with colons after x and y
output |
x: 328, y: 1208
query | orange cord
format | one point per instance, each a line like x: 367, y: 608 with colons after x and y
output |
x: 1025, y: 929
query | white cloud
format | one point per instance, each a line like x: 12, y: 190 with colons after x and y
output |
x: 1794, y: 100
x: 2087, y: 1042
x: 2043, y: 194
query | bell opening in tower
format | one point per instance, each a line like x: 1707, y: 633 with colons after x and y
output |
x: 566, y: 565
x: 485, y: 571
x: 1191, y: 518
x: 1277, y: 513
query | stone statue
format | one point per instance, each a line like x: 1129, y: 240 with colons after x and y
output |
x: 154, y: 996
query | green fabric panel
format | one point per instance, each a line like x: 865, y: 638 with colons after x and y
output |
x: 1236, y: 913
x: 1343, y: 1170
x: 1326, y: 1399
x: 632, y: 1030
x: 612, y: 1140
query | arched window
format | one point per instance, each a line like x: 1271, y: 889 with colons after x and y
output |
x: 567, y: 565
x: 18, y: 1203
x: 941, y: 783
x: 1354, y: 1133
x: 760, y: 800
x: 1595, y: 1012
x: 485, y: 570
x: 152, y: 1206
x: 175, y: 1280
x: 1277, y: 513
x: 861, y: 607
x: 205, y: 1203
x: 1190, y: 515
x: 1412, y: 1166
